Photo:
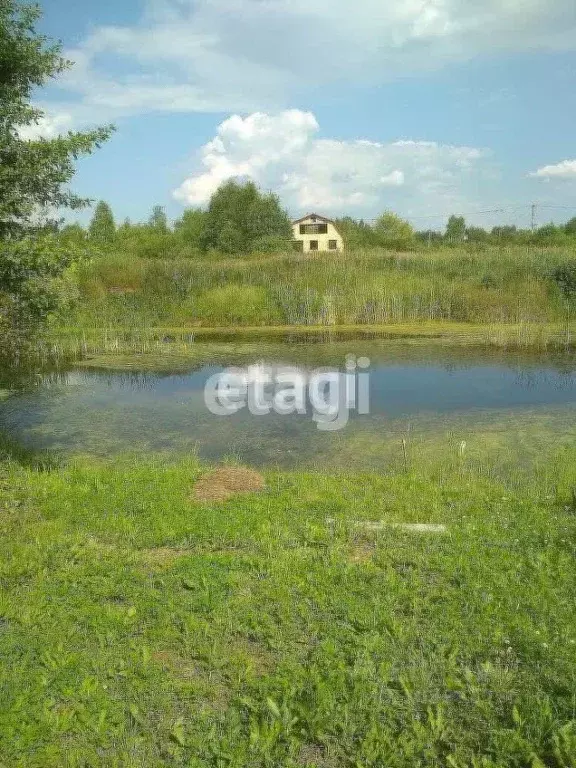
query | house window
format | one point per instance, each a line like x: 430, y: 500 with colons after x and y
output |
x: 313, y: 229
x: 313, y: 245
x: 332, y: 245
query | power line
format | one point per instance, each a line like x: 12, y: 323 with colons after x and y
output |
x: 531, y: 207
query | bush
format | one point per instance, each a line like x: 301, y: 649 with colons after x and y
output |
x: 565, y: 277
x: 236, y: 305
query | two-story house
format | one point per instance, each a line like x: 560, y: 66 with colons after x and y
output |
x: 316, y: 233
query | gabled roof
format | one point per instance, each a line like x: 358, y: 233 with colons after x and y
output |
x: 313, y: 215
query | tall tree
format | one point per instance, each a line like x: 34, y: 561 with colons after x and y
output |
x: 158, y: 219
x: 34, y: 172
x: 239, y: 216
x: 102, y: 227
x: 456, y: 229
x: 190, y: 227
x: 394, y: 232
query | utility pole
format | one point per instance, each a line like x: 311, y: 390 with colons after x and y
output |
x: 533, y: 217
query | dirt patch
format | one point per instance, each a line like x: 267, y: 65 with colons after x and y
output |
x: 223, y: 483
x: 162, y: 555
x: 314, y: 756
x: 361, y: 553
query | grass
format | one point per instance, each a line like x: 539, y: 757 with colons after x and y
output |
x: 141, y: 627
x: 143, y: 624
x: 176, y: 347
x: 508, y: 297
x: 359, y: 288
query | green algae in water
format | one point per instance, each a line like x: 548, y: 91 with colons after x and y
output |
x: 430, y: 406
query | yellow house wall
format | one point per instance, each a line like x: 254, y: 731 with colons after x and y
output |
x: 332, y: 234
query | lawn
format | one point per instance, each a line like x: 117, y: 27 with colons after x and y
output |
x: 140, y: 626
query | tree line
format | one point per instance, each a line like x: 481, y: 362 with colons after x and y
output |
x: 240, y: 219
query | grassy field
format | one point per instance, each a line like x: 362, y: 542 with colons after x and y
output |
x: 363, y: 288
x: 142, y: 627
x: 310, y: 624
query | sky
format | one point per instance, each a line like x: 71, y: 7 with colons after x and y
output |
x: 422, y: 107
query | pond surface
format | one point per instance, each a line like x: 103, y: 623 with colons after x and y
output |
x: 502, y: 406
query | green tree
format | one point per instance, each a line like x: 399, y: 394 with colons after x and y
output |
x: 34, y: 174
x: 239, y: 216
x: 477, y: 235
x: 158, y: 220
x: 570, y: 226
x: 504, y: 233
x: 429, y: 236
x: 73, y: 233
x: 456, y: 229
x: 190, y: 227
x: 357, y: 234
x: 394, y: 232
x: 102, y: 227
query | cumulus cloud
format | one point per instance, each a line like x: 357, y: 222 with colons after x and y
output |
x: 48, y: 127
x: 564, y: 170
x: 244, y: 55
x: 285, y: 153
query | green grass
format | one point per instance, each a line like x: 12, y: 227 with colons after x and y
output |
x: 511, y: 285
x: 141, y: 628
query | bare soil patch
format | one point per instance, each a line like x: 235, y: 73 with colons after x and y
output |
x: 223, y: 483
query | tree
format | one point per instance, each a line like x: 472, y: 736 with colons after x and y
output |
x: 102, y: 227
x: 570, y: 226
x: 394, y: 232
x: 158, y: 220
x: 34, y: 173
x: 429, y: 236
x: 73, y: 233
x: 505, y: 233
x: 357, y: 234
x: 190, y: 227
x: 456, y: 229
x: 476, y: 235
x: 239, y: 216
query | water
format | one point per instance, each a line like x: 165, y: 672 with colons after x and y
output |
x: 501, y: 405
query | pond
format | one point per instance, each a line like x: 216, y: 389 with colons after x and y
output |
x: 425, y: 403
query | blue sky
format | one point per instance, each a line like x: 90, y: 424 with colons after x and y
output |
x: 424, y: 107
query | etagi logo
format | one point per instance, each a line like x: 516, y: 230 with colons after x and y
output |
x: 285, y: 390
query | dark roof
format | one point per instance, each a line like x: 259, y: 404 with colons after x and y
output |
x: 313, y: 215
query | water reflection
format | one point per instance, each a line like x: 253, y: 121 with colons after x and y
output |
x: 421, y: 392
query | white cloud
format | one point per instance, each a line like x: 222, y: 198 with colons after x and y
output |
x: 564, y: 170
x: 283, y: 152
x: 244, y: 55
x: 48, y: 127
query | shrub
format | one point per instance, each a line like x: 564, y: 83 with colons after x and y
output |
x: 235, y: 305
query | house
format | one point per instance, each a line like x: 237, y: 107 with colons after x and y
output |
x: 316, y: 233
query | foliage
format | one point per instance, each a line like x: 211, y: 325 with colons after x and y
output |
x: 394, y: 232
x: 158, y: 220
x: 504, y: 234
x: 565, y: 276
x: 34, y: 173
x: 102, y: 227
x: 477, y: 235
x: 234, y: 304
x: 190, y: 228
x: 357, y: 234
x: 456, y: 229
x: 239, y: 215
x: 33, y: 286
x: 371, y: 287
